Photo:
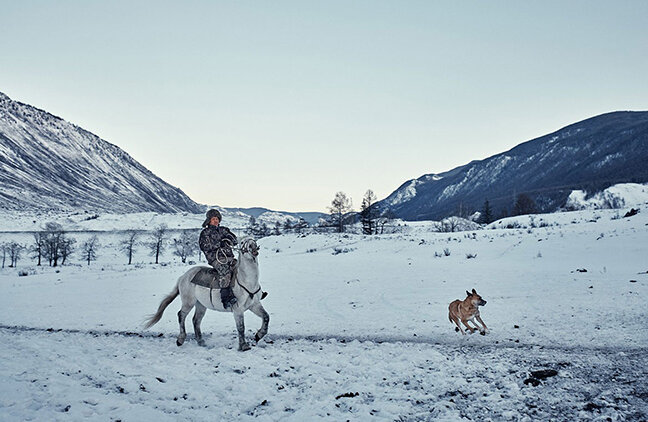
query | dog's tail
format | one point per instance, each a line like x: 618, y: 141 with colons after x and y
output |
x: 163, y: 305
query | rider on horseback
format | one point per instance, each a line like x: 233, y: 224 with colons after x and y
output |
x: 216, y: 242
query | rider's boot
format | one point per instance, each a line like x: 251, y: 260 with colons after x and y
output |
x: 227, y: 297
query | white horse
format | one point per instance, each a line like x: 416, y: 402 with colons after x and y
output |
x: 245, y: 287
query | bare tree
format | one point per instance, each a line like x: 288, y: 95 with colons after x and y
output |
x: 37, y: 249
x: 384, y: 220
x: 369, y: 213
x: 15, y: 251
x: 3, y: 249
x: 157, y: 243
x: 54, y: 237
x: 340, y: 205
x: 185, y: 245
x: 448, y: 225
x: 67, y: 247
x: 129, y: 244
x: 277, y: 229
x: 89, y: 249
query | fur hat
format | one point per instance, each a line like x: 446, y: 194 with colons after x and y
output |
x: 210, y: 214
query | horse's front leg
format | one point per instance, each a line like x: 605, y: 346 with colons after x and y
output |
x: 240, y: 327
x: 259, y: 311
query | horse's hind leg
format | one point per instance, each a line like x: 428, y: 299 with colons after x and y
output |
x: 182, y: 315
x: 198, y: 316
x: 240, y: 327
x: 259, y: 311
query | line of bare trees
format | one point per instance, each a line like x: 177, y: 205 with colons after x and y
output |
x: 259, y: 229
x: 182, y: 246
x: 372, y: 219
x: 12, y: 252
x: 53, y: 246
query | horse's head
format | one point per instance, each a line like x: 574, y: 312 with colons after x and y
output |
x: 249, y: 248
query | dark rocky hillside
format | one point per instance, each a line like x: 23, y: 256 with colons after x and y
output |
x: 590, y: 155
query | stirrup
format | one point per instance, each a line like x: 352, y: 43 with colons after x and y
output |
x: 263, y: 295
x: 231, y: 302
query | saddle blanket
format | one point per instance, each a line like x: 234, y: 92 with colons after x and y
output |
x: 206, y: 277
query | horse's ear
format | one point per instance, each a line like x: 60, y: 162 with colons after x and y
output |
x: 467, y: 293
x: 474, y: 292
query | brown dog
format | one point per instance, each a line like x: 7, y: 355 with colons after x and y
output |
x: 467, y: 310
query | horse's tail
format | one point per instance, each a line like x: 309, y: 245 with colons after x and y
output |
x: 163, y: 305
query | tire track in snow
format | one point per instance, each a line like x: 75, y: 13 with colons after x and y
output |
x: 451, y: 343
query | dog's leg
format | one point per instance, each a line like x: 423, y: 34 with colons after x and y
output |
x: 477, y: 327
x: 482, y: 323
x: 453, y: 318
x: 465, y: 322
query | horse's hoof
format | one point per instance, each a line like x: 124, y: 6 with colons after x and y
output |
x: 244, y: 347
x: 257, y: 337
x: 483, y: 333
x: 201, y: 343
x: 179, y: 343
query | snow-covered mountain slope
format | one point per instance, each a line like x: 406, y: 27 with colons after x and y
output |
x: 47, y: 163
x: 617, y: 196
x: 282, y: 216
x: 590, y: 155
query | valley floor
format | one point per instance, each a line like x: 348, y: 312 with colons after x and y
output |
x: 358, y: 331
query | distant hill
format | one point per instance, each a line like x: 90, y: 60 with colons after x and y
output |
x: 590, y: 155
x: 267, y: 214
x: 49, y: 164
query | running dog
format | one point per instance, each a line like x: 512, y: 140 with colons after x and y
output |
x: 467, y: 310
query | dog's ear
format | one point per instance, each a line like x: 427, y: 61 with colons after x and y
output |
x: 474, y: 292
x: 467, y: 293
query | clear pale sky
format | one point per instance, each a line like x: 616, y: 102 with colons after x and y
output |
x: 282, y: 103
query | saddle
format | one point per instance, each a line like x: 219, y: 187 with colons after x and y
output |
x: 210, y: 277
x: 206, y: 277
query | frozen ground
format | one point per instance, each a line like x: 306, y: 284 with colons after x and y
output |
x: 349, y: 314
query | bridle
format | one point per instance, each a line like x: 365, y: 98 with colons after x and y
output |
x: 249, y: 245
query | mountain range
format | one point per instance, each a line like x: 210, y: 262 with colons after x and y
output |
x: 49, y: 164
x: 590, y: 155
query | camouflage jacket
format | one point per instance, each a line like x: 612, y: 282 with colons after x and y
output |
x: 212, y: 243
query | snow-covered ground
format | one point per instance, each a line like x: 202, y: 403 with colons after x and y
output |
x: 359, y: 330
x: 13, y: 221
x: 615, y: 196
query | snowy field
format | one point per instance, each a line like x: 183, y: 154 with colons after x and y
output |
x: 359, y: 330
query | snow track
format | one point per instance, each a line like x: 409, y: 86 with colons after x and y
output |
x: 451, y: 341
x: 125, y: 375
